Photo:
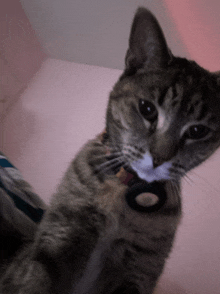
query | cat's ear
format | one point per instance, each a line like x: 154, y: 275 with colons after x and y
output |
x: 147, y: 45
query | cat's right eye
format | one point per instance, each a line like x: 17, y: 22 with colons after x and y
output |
x: 148, y: 110
x: 197, y: 132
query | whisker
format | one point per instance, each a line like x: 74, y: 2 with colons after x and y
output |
x: 110, y: 166
x: 210, y: 185
x: 112, y: 148
x: 113, y: 155
x: 99, y: 159
x: 176, y: 191
x: 188, y: 179
x: 177, y: 172
x: 126, y: 164
x: 109, y: 163
x: 99, y: 156
x: 111, y: 169
x: 130, y: 157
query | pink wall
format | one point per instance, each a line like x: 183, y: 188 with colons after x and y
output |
x: 21, y: 54
x: 63, y: 106
x: 198, y: 25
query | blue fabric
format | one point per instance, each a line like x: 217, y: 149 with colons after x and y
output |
x: 19, y: 204
x: 5, y: 163
x: 35, y: 214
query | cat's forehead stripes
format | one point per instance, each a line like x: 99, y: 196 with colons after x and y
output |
x: 198, y: 109
x: 195, y: 105
x: 191, y: 104
x: 168, y: 96
x: 167, y: 93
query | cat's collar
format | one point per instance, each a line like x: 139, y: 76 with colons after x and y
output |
x: 141, y: 195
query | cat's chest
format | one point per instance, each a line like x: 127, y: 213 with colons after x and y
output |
x: 94, y: 267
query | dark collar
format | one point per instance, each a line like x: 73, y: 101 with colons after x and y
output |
x: 143, y: 196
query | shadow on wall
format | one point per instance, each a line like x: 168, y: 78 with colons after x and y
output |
x: 20, y: 53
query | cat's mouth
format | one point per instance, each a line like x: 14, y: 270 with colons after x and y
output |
x: 145, y: 170
x: 141, y: 169
x: 142, y: 196
x: 128, y: 176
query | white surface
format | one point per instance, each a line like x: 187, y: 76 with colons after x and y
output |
x: 93, y: 31
x: 96, y: 31
x: 62, y: 108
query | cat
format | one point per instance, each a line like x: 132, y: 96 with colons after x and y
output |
x: 162, y: 120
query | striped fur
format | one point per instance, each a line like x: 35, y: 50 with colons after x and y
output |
x: 162, y: 120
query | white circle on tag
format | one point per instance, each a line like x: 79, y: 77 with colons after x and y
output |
x: 147, y: 199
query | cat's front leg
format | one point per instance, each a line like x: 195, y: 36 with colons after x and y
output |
x: 80, y: 215
x: 26, y: 275
x: 70, y: 230
x: 58, y: 257
x: 65, y: 244
x: 67, y: 234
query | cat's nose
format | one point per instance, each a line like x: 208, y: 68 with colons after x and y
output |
x: 157, y: 161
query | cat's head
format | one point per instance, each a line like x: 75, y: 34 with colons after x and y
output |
x: 163, y: 117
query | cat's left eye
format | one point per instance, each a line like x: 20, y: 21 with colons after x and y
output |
x: 148, y: 110
x: 196, y: 132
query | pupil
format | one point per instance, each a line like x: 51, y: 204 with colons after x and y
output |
x: 148, y: 110
x: 198, y: 132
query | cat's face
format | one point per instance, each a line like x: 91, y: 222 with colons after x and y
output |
x: 163, y: 117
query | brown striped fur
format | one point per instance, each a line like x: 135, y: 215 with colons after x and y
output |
x: 90, y: 241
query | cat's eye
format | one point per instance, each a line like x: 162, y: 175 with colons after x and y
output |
x: 148, y: 110
x: 197, y: 132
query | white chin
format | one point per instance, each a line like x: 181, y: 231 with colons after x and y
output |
x: 151, y: 175
x: 145, y: 170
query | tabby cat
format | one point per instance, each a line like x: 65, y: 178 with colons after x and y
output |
x: 163, y: 119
